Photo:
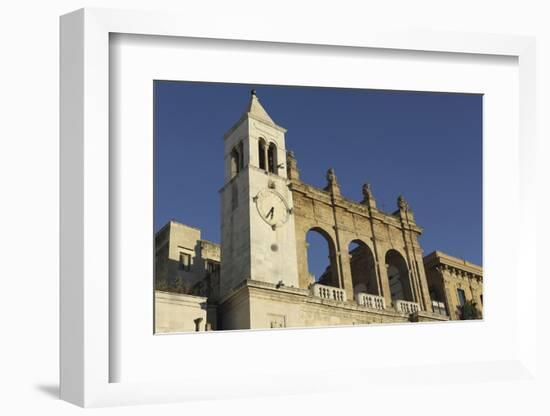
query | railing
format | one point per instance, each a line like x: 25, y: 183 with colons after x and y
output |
x: 328, y: 292
x: 406, y: 306
x: 370, y: 301
x: 439, y: 307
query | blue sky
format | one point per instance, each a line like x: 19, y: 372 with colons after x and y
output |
x: 426, y: 146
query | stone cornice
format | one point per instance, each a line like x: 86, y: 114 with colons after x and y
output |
x: 457, y: 267
x: 353, y: 207
x: 179, y: 297
x: 269, y: 290
x: 270, y: 286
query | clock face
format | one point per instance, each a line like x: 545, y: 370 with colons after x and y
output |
x: 272, y: 207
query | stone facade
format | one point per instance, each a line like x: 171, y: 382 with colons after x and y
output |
x: 176, y: 312
x: 261, y: 305
x: 452, y: 281
x: 387, y: 238
x: 252, y: 247
x: 377, y: 272
x: 185, y: 263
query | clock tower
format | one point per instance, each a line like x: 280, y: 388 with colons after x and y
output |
x: 258, y: 235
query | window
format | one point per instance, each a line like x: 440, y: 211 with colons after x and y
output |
x: 212, y: 266
x: 461, y: 297
x: 185, y: 262
x: 439, y: 307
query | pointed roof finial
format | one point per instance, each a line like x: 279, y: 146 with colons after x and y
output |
x: 292, y: 165
x: 368, y: 198
x: 332, y: 185
x: 255, y: 109
x: 402, y: 203
x: 367, y: 191
x: 331, y: 177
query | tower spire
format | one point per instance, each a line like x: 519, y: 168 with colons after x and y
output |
x: 256, y: 110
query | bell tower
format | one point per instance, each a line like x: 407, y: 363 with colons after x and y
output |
x: 258, y: 236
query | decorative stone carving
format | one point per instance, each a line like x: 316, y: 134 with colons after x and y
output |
x: 402, y: 203
x: 331, y: 177
x: 368, y: 198
x: 332, y: 185
x: 292, y: 166
x: 367, y: 191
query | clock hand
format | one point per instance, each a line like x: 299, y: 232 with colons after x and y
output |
x: 271, y: 213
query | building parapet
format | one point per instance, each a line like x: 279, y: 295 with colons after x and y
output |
x: 442, y: 261
x: 265, y: 285
x: 304, y: 297
x: 351, y: 206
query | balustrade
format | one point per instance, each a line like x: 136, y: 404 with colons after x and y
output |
x: 328, y: 292
x: 370, y: 301
x: 406, y: 306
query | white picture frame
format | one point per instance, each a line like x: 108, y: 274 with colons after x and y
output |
x: 87, y: 302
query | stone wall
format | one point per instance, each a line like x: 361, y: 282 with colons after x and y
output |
x: 447, y: 274
x: 259, y: 305
x: 175, y: 239
x: 342, y: 222
x: 251, y: 247
x: 176, y: 312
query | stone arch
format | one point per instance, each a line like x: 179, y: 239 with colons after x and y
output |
x: 272, y: 158
x: 363, y: 268
x: 398, y: 276
x: 329, y: 276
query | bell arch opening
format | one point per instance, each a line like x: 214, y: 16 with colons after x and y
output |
x: 363, y: 270
x: 398, y: 277
x: 272, y: 158
x: 321, y: 258
x: 261, y: 154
